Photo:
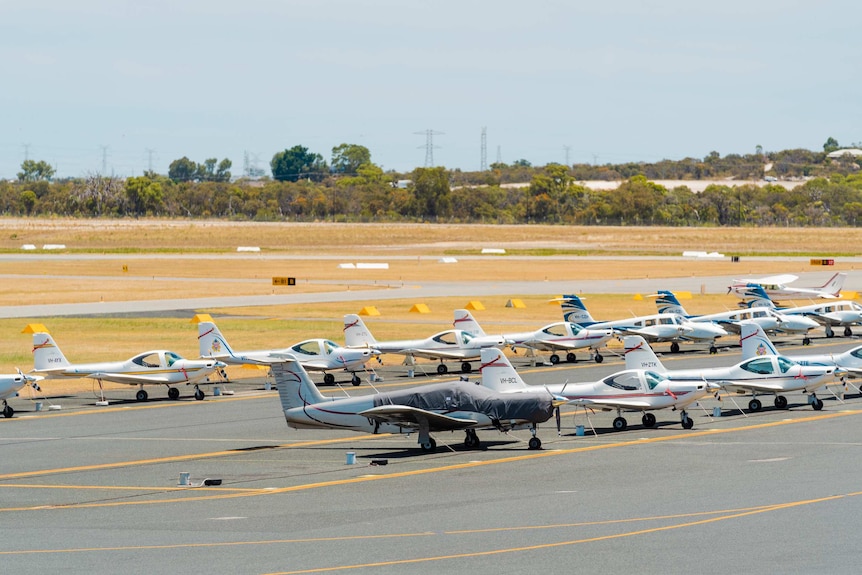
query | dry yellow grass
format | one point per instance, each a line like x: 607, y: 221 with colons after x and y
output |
x: 411, y: 250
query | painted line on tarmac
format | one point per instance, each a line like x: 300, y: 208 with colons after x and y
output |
x: 175, y: 458
x: 544, y: 546
x: 707, y: 518
x: 396, y: 475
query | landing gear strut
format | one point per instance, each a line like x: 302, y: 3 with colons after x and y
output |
x: 535, y: 442
x: 687, y: 422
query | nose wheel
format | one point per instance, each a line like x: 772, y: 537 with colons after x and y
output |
x: 687, y: 422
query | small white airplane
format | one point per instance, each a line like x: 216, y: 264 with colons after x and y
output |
x: 654, y: 328
x: 769, y: 319
x: 776, y: 287
x: 762, y: 373
x: 830, y: 314
x: 849, y: 361
x: 157, y: 367
x: 561, y: 336
x: 450, y: 344
x: 423, y: 409
x: 630, y: 390
x: 9, y: 386
x: 314, y: 354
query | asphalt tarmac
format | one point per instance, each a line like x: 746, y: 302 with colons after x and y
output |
x: 94, y: 489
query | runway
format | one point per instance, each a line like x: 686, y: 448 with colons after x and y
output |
x: 95, y: 489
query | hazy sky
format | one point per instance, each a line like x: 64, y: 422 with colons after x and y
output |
x: 134, y: 82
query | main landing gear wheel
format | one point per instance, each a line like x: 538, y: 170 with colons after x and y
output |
x: 429, y: 445
x: 555, y: 359
x: 599, y: 357
x: 199, y: 395
x: 328, y: 378
x: 8, y: 411
x: 829, y: 332
x: 780, y: 402
x: 442, y: 369
x: 173, y: 393
x: 571, y: 358
x: 806, y: 340
x: 687, y: 422
x: 648, y: 420
x: 674, y: 347
x: 471, y: 440
x: 355, y: 380
x: 535, y: 443
x: 713, y: 350
x: 466, y: 367
x: 141, y: 395
x: 620, y: 424
x: 847, y: 331
x: 817, y: 404
x: 755, y: 405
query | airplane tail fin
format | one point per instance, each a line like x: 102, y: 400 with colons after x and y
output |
x: 667, y: 302
x: 834, y: 285
x: 639, y: 355
x: 295, y: 388
x: 575, y: 311
x: 754, y: 341
x: 755, y: 296
x: 46, y: 354
x: 498, y: 374
x: 356, y: 333
x: 211, y: 342
x: 465, y: 321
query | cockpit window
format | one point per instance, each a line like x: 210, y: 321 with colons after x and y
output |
x: 329, y: 346
x: 784, y: 364
x: 652, y: 379
x: 147, y: 360
x: 557, y: 329
x: 310, y: 347
x: 626, y: 381
x: 171, y: 357
x: 761, y: 365
x: 447, y: 338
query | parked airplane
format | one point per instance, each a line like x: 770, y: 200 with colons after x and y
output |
x: 767, y: 318
x: 657, y: 327
x: 630, y: 390
x: 9, y: 386
x: 776, y: 287
x: 450, y: 344
x: 831, y: 314
x: 561, y: 336
x: 314, y: 354
x: 157, y: 367
x: 424, y: 409
x: 775, y: 374
x: 849, y: 361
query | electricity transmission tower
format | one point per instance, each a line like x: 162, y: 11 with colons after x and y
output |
x: 429, y: 146
x: 483, y: 163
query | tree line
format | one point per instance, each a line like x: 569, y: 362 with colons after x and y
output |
x: 304, y: 187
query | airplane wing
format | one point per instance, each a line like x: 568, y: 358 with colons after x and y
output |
x: 621, y: 403
x: 412, y: 417
x: 130, y: 379
x: 779, y: 279
x: 756, y: 385
x: 433, y: 353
